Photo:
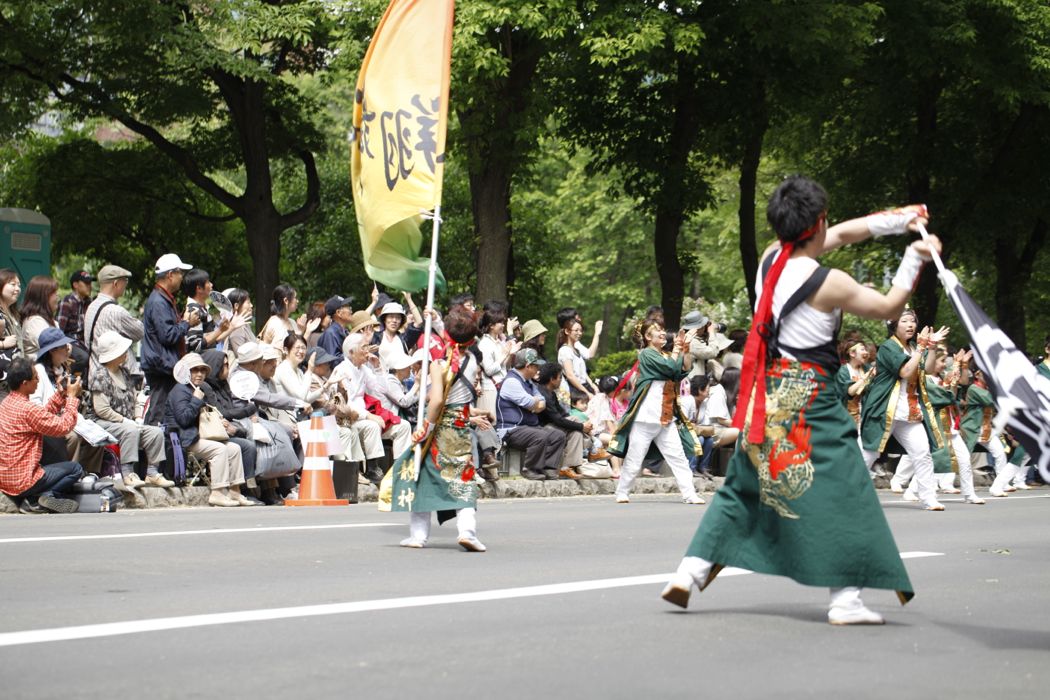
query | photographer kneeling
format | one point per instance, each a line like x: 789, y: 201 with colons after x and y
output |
x: 23, y: 427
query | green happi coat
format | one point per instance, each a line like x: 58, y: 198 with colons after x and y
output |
x: 880, y: 402
x: 802, y: 504
x: 654, y: 365
x: 943, y: 400
x: 976, y: 423
x: 843, y: 381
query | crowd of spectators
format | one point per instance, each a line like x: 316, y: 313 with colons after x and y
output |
x: 188, y: 380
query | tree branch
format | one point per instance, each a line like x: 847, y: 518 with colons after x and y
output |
x: 313, y: 193
x: 87, y: 95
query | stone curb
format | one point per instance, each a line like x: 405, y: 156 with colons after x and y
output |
x: 193, y: 496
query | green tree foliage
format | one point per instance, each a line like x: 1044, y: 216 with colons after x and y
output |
x: 951, y: 108
x: 121, y: 204
x: 205, y: 83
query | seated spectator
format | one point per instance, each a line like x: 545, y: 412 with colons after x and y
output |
x: 52, y: 369
x: 289, y: 379
x: 594, y: 449
x: 604, y: 418
x: 242, y: 306
x: 323, y: 364
x: 395, y: 398
x: 185, y: 402
x: 556, y: 416
x: 38, y: 312
x: 517, y: 418
x: 106, y: 314
x: 261, y: 361
x: 694, y: 406
x: 238, y: 418
x: 357, y: 377
x: 112, y: 405
x: 21, y: 442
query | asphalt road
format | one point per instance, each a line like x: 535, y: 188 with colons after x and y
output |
x: 272, y: 602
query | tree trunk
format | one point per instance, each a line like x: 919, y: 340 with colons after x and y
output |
x: 748, y: 194
x: 670, y: 205
x: 668, y: 268
x: 927, y: 297
x: 1011, y: 283
x: 491, y: 129
x: 264, y: 245
x: 490, y: 201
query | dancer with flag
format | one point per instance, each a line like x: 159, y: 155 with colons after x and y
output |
x: 797, y: 500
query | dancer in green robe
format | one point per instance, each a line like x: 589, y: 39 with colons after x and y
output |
x: 897, y: 414
x: 654, y: 424
x: 797, y: 500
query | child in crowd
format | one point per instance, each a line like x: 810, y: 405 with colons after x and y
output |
x: 601, y: 411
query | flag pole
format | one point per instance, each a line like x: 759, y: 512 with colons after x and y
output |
x: 424, y: 372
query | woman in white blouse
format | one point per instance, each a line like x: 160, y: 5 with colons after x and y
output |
x: 289, y: 378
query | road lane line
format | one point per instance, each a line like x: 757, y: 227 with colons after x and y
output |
x: 179, y: 533
x: 113, y: 629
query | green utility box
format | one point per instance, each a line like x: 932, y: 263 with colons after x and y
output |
x: 25, y: 243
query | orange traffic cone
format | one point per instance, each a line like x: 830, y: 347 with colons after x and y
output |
x: 316, y: 487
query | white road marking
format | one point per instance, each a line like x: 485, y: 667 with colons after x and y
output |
x: 178, y: 533
x: 113, y: 629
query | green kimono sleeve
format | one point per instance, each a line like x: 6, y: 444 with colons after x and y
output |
x: 882, y: 390
x: 655, y: 366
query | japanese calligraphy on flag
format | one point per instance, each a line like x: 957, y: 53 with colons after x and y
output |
x: 1022, y: 395
x: 398, y: 140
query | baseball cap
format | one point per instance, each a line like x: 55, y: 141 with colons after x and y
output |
x: 168, y: 262
x: 81, y: 276
x: 528, y: 356
x: 335, y: 303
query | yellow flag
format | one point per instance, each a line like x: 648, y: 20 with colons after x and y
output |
x: 398, y: 147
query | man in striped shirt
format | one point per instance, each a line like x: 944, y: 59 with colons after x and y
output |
x: 23, y: 426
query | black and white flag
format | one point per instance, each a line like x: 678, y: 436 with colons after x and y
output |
x: 1022, y: 395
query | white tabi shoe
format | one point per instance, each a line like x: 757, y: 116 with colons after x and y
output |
x: 854, y: 616
x: 413, y: 543
x: 677, y: 590
x: 974, y: 500
x: 910, y: 497
x: 472, y: 544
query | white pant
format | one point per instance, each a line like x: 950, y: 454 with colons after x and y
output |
x: 670, y: 446
x: 944, y: 481
x: 466, y: 524
x: 370, y: 436
x: 912, y: 437
x: 1004, y: 471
